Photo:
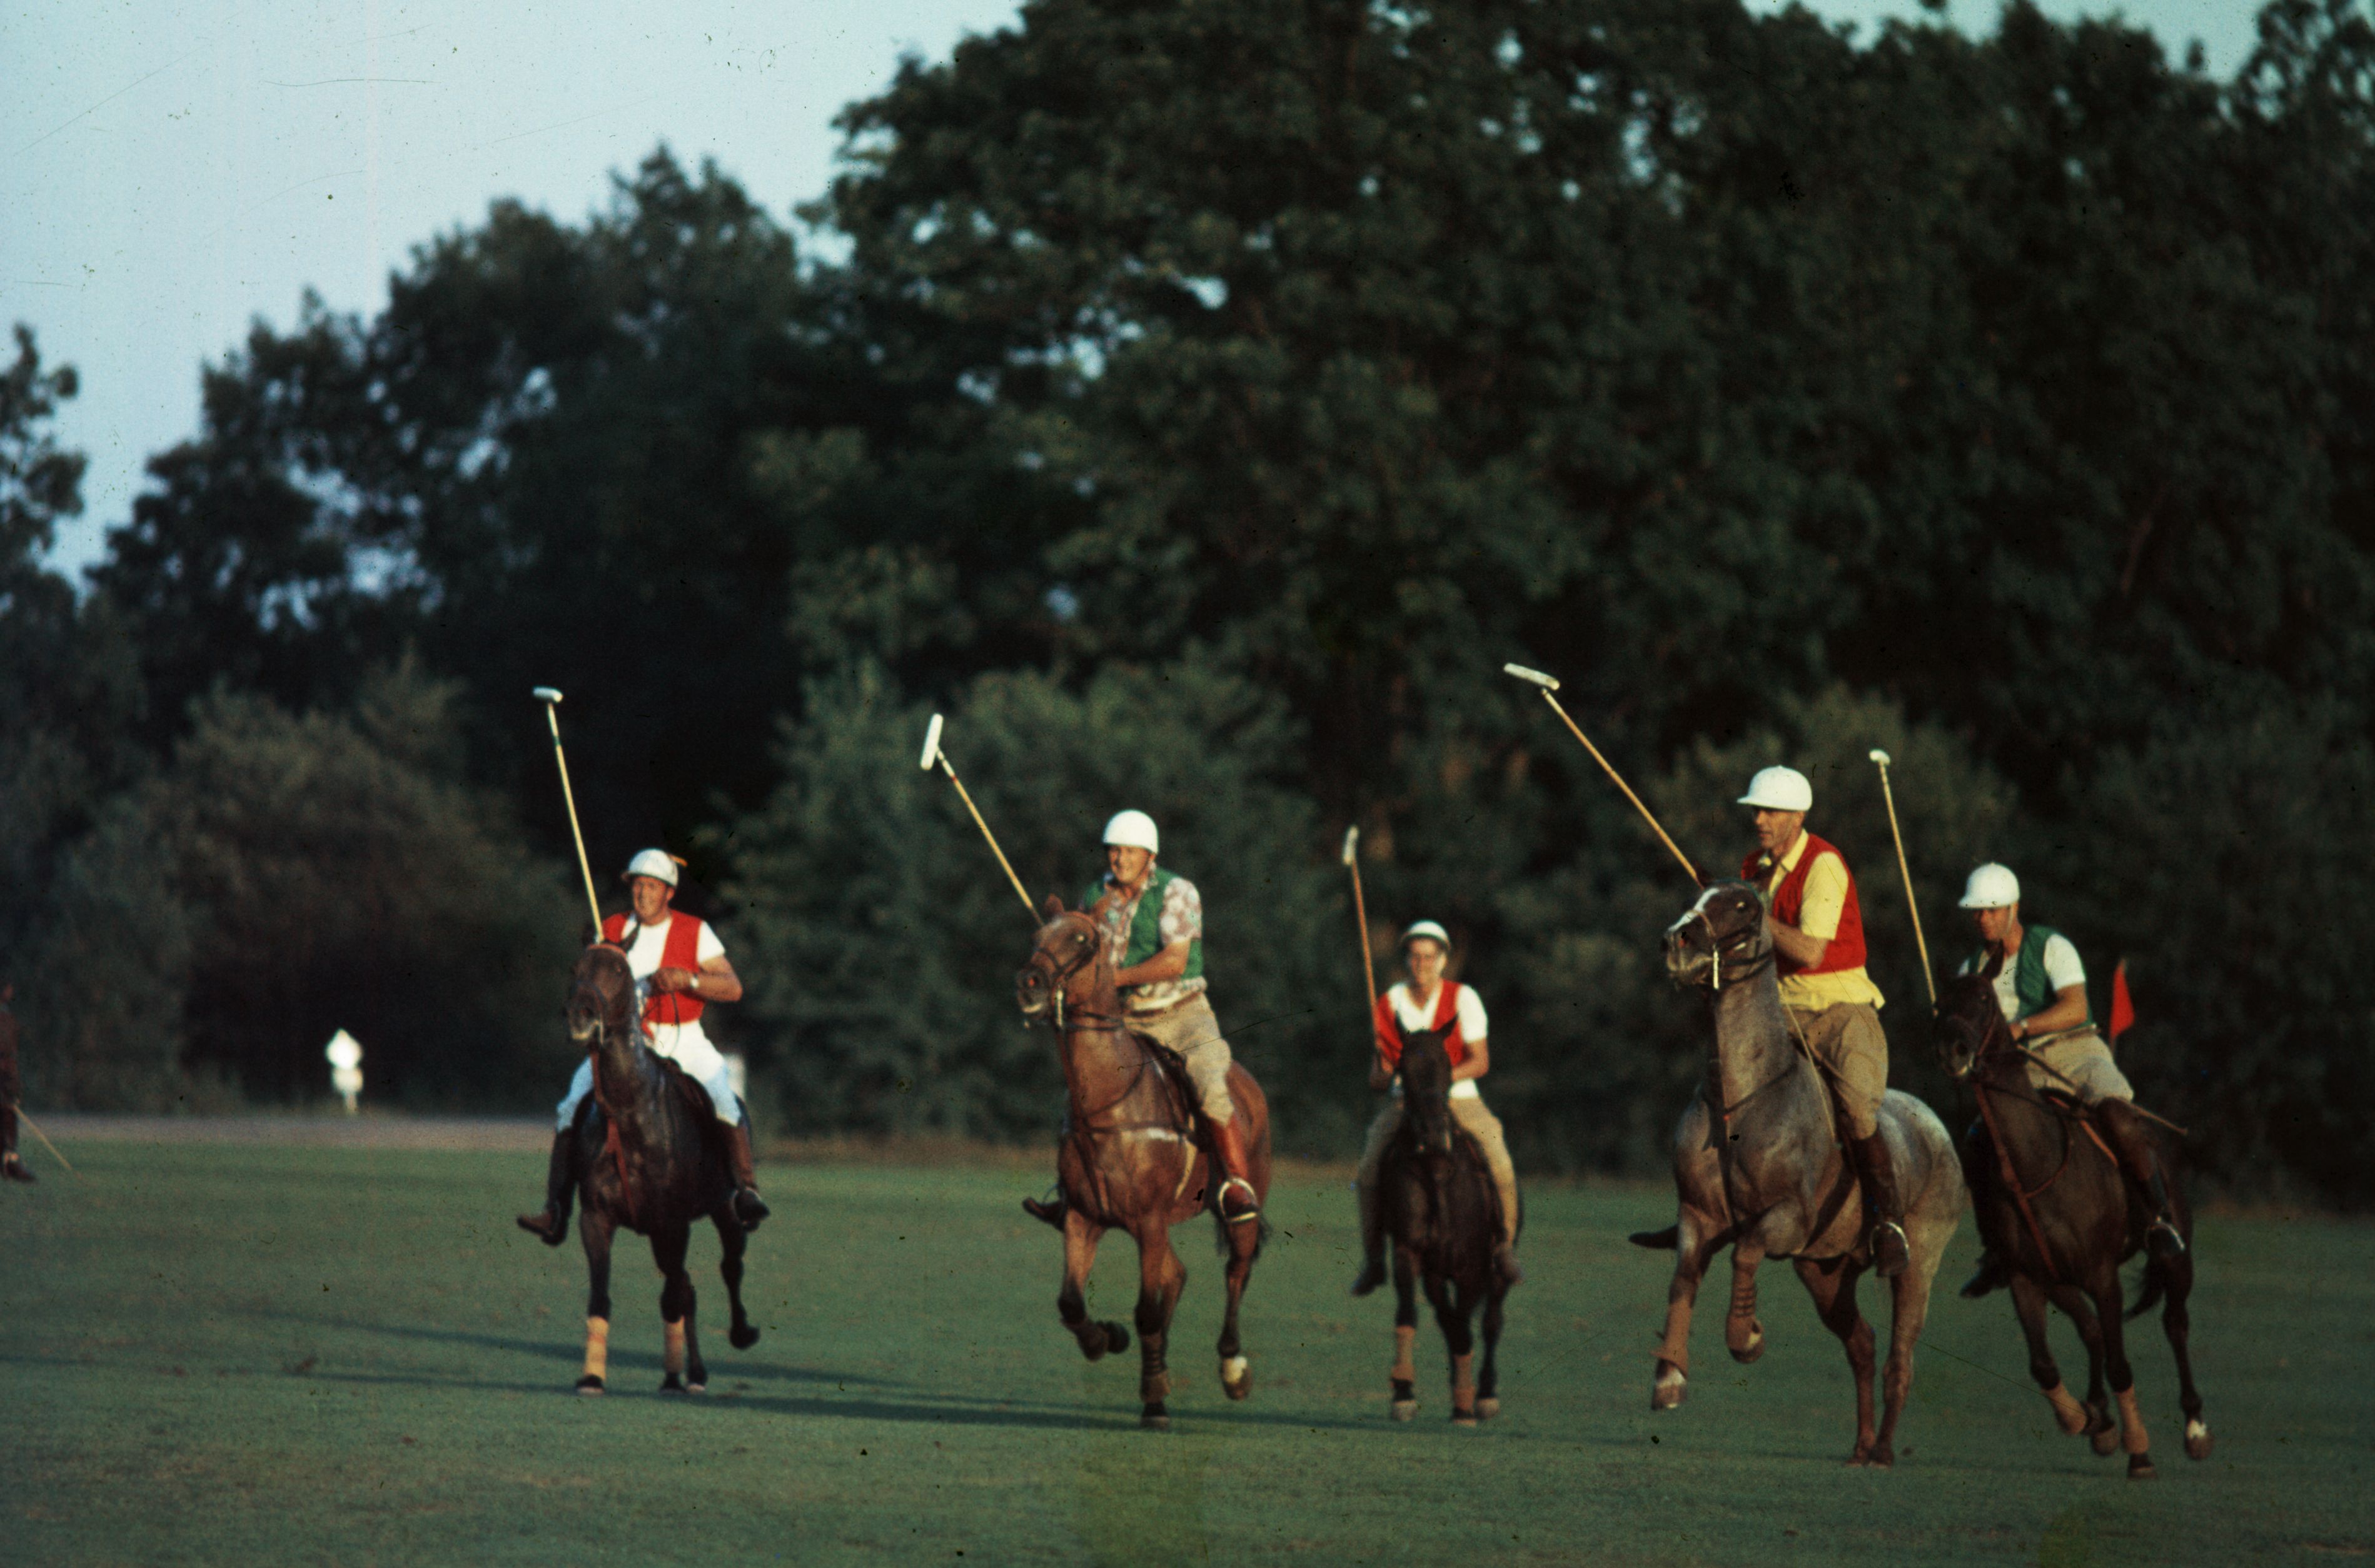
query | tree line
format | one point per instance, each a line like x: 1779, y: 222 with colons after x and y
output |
x: 1198, y: 402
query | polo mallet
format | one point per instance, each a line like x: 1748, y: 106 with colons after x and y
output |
x: 42, y: 1136
x: 550, y: 698
x: 1361, y: 916
x: 1919, y: 942
x: 932, y: 753
x: 1550, y: 684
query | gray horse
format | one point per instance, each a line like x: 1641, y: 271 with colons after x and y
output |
x: 1757, y: 1166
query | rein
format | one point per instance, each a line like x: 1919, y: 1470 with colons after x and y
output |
x: 1980, y: 1090
x: 1083, y: 1021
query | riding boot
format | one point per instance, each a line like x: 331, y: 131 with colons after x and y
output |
x: 749, y: 1207
x: 552, y: 1227
x: 1882, y: 1206
x: 1978, y: 1176
x: 1050, y: 1209
x: 1236, y: 1199
x: 1373, y: 1239
x: 2128, y: 1136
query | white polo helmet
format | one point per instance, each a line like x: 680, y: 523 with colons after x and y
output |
x: 654, y: 863
x: 1427, y: 928
x: 1991, y: 886
x: 1135, y: 828
x: 1779, y: 789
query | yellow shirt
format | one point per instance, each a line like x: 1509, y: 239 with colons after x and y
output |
x: 1818, y: 917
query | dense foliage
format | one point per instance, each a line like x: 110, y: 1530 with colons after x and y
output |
x: 1206, y: 398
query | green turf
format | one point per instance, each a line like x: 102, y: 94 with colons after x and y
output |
x: 264, y: 1355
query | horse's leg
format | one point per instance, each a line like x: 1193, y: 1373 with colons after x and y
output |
x: 593, y: 1228
x: 669, y: 1247
x: 1743, y: 1334
x: 1451, y: 1317
x: 1488, y: 1379
x: 1909, y: 1311
x: 1097, y: 1340
x: 1694, y: 1248
x: 2102, y: 1431
x: 2133, y: 1436
x: 1244, y: 1241
x: 734, y: 1241
x: 1160, y: 1277
x: 1405, y: 1372
x: 2176, y: 1279
x: 2028, y: 1305
x: 1834, y: 1290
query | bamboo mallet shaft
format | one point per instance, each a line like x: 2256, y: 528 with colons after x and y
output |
x: 932, y: 753
x: 1921, y: 943
x: 550, y: 698
x: 1550, y: 685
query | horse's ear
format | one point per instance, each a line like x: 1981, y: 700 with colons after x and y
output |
x: 1050, y: 907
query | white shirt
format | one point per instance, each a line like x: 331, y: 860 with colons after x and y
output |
x: 1468, y: 1012
x: 2063, y: 971
x: 643, y: 961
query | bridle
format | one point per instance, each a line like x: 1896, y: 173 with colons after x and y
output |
x: 1716, y: 946
x: 1981, y: 1088
x: 1059, y: 976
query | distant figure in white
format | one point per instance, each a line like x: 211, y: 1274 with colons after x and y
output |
x: 679, y: 966
x: 346, y: 1059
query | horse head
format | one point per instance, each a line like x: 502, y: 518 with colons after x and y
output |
x: 601, y: 996
x: 1722, y: 936
x: 1066, y: 955
x: 1969, y: 1023
x: 1426, y: 1092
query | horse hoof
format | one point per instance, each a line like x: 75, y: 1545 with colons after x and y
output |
x: 589, y: 1385
x: 696, y: 1387
x: 1403, y: 1409
x: 1747, y: 1353
x: 1463, y: 1418
x: 1667, y: 1391
x: 1236, y: 1377
x: 1117, y: 1339
x: 744, y: 1336
x: 671, y: 1383
x: 1487, y: 1409
x: 2197, y: 1440
x: 1154, y: 1418
x: 2106, y: 1442
x: 2140, y: 1468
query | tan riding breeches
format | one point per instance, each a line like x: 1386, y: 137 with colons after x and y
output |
x: 1192, y: 1033
x: 1847, y: 1041
x: 1478, y: 1122
x: 2085, y: 1067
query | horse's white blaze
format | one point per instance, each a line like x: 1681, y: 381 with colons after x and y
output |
x: 1233, y: 1369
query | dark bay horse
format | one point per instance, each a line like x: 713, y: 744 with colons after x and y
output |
x: 1443, y: 1214
x: 1757, y: 1166
x: 1130, y: 1160
x: 2061, y: 1220
x: 649, y: 1158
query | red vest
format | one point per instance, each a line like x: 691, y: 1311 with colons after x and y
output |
x: 1846, y: 948
x: 1447, y: 1013
x: 680, y: 949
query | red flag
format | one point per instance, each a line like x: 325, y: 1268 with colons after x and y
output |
x: 2123, y: 1012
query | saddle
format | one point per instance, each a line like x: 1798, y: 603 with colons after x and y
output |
x: 1180, y: 1102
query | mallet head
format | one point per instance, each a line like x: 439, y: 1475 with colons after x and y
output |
x: 1352, y: 838
x: 546, y: 694
x: 1880, y: 757
x: 931, y: 745
x: 1548, y: 683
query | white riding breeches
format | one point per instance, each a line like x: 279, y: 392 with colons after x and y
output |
x: 685, y: 1044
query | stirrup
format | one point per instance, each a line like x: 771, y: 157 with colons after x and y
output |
x: 1892, y: 1253
x: 548, y: 1227
x: 1049, y: 1210
x: 2162, y: 1239
x: 1252, y: 1201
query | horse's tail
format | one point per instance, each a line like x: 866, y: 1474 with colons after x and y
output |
x: 1667, y: 1240
x: 2155, y: 1286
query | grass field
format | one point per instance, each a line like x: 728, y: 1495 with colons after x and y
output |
x: 271, y: 1355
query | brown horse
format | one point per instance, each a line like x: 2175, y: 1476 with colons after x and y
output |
x: 2061, y: 1225
x: 1133, y: 1159
x: 1443, y: 1214
x: 1757, y: 1166
x: 649, y: 1158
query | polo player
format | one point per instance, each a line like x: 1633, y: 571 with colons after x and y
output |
x: 679, y: 966
x: 2042, y: 989
x: 1152, y: 923
x: 1428, y: 1004
x: 12, y: 1164
x: 1816, y: 923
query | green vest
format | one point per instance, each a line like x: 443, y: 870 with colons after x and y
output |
x: 2032, y: 988
x: 1146, y: 923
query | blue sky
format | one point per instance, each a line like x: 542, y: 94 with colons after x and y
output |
x: 179, y: 170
